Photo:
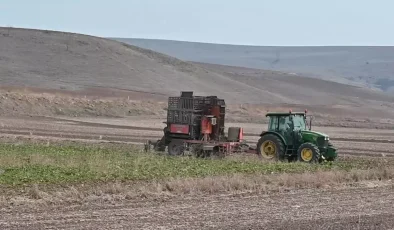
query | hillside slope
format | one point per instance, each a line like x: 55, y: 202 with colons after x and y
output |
x: 359, y: 65
x: 56, y: 60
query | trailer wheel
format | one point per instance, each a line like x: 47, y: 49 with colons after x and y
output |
x: 175, y: 148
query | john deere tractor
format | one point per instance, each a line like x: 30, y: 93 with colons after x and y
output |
x: 289, y: 137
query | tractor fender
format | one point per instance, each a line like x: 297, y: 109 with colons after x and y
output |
x: 276, y: 134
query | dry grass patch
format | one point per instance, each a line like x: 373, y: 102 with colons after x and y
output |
x: 45, y: 104
x: 53, y: 174
x: 214, y: 185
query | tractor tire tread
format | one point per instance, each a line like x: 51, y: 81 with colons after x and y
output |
x: 278, y: 142
x: 315, y: 150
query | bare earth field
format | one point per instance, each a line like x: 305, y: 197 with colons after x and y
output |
x: 59, y: 88
x: 353, y: 208
x: 319, y: 208
x: 354, y: 141
x: 62, y: 118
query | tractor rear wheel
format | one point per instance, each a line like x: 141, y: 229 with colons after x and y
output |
x: 271, y: 147
x: 308, y: 152
x: 175, y: 148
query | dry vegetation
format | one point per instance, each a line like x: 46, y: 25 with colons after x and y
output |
x: 44, y: 194
x: 21, y: 103
x: 74, y: 173
x: 76, y: 100
x: 45, y: 104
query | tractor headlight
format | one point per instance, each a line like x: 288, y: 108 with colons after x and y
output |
x: 327, y: 138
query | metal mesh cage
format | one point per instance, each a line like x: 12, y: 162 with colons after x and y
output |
x: 188, y: 109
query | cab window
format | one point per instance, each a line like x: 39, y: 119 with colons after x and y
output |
x: 285, y: 123
x: 299, y: 122
x: 273, y: 123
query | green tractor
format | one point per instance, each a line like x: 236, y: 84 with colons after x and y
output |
x: 288, y: 137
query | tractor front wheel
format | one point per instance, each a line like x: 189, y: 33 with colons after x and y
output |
x: 271, y: 147
x: 308, y: 152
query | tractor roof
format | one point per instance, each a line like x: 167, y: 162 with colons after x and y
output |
x: 283, y: 113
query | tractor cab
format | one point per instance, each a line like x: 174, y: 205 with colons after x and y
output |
x: 288, y: 136
x: 284, y: 122
x: 287, y: 124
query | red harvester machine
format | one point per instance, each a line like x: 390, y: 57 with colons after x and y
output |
x: 196, y: 124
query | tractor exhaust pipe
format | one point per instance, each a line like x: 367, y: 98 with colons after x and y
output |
x: 310, y: 120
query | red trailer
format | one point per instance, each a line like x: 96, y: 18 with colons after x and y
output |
x: 196, y: 124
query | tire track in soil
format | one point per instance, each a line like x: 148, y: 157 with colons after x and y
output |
x: 344, y: 153
x: 22, y: 131
x: 92, y: 124
x: 122, y: 137
x: 299, y: 209
x: 6, y: 130
x: 83, y: 137
x: 101, y: 125
x: 143, y: 138
x: 365, y: 150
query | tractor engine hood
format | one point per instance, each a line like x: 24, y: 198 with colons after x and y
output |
x: 314, y: 133
x: 320, y: 139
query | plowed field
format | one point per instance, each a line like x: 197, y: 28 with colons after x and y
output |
x: 361, y: 208
x: 353, y: 141
x: 367, y: 206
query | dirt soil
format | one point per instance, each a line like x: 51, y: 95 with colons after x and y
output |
x: 357, y: 208
x: 48, y: 73
x: 105, y: 91
x: 16, y: 101
x: 350, y: 141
